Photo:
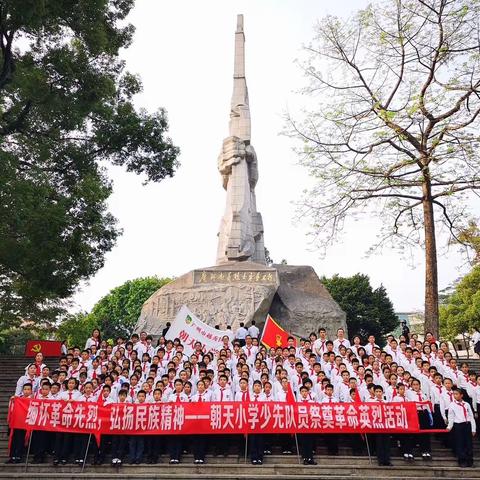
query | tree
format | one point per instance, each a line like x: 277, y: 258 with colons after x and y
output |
x: 369, y: 311
x: 66, y: 111
x: 117, y: 312
x: 76, y: 328
x: 461, y: 313
x: 394, y: 129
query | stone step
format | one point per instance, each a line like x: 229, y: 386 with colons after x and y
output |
x: 234, y: 471
x: 322, y: 460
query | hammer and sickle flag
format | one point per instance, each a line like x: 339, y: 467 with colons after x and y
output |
x: 37, y: 348
x: 273, y: 335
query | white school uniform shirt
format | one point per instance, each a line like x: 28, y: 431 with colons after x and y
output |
x: 281, y: 396
x: 418, y: 397
x: 296, y: 382
x: 462, y: 380
x: 390, y: 392
x: 90, y: 398
x: 255, y: 397
x: 305, y: 400
x: 441, y: 365
x: 202, y: 397
x: 251, y: 353
x: 91, y: 341
x: 222, y: 395
x: 253, y: 331
x: 408, y: 364
x: 337, y: 343
x: 437, y: 398
x: 453, y: 374
x: 241, y: 333
x: 242, y: 396
x: 399, y: 398
x: 319, y: 347
x: 476, y: 397
x: 369, y: 348
x: 173, y: 398
x: 460, y: 412
x: 447, y: 398
x: 471, y: 389
x: 24, y: 379
x: 327, y: 399
x: 342, y: 392
x: 150, y: 349
x: 394, y: 353
x: 266, y: 398
x: 318, y: 392
x: 67, y: 395
x: 426, y: 383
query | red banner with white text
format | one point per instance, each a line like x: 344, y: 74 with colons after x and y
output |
x: 212, y: 417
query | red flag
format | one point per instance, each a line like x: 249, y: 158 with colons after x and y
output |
x: 274, y: 335
x: 49, y: 348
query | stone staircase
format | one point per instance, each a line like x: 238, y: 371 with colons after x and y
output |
x: 232, y: 467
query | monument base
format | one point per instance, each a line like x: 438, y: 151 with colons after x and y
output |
x: 302, y: 304
x: 236, y: 292
x: 223, y: 295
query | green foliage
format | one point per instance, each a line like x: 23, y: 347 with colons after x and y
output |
x: 75, y: 329
x: 13, y: 340
x: 66, y: 111
x: 118, y: 311
x: 368, y: 310
x: 461, y: 313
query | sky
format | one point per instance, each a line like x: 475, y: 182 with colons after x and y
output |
x: 183, y: 52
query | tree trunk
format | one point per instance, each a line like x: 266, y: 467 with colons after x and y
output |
x: 431, y: 273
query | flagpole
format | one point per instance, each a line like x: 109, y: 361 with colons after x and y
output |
x: 28, y: 449
x: 298, y: 450
x: 246, y: 447
x: 86, y: 452
x: 368, y: 449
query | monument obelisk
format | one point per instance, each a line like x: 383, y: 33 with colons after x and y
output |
x: 241, y: 287
x: 241, y: 229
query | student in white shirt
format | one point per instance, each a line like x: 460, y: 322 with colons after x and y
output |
x: 200, y: 441
x: 306, y: 441
x: 340, y: 340
x: 29, y: 377
x: 382, y: 439
x: 175, y: 441
x: 240, y: 334
x: 95, y: 339
x: 253, y: 330
x: 462, y: 424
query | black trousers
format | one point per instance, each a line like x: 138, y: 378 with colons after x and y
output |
x: 40, y: 444
x: 406, y: 443
x: 153, y: 447
x: 119, y: 446
x: 331, y: 441
x: 424, y: 438
x: 175, y: 447
x: 80, y: 442
x: 306, y: 444
x: 199, y: 446
x: 462, y: 434
x: 18, y: 444
x: 257, y: 443
x: 136, y: 446
x: 382, y: 447
x: 63, y: 445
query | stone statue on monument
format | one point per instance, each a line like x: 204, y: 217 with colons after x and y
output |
x: 241, y: 229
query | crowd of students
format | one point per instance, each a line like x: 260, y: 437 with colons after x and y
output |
x: 318, y: 369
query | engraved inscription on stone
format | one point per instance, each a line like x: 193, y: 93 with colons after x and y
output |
x: 250, y: 276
